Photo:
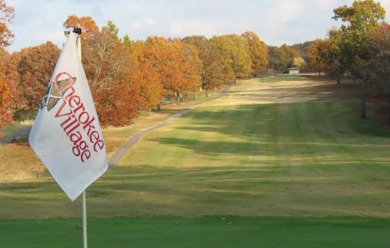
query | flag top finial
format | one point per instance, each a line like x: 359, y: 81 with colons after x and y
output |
x: 77, y: 29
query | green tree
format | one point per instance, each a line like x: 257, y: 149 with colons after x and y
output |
x: 359, y: 20
x: 376, y: 60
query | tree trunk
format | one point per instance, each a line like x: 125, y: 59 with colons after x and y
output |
x: 388, y: 109
x: 177, y: 96
x: 363, y: 112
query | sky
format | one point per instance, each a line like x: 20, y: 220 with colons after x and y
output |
x: 276, y: 22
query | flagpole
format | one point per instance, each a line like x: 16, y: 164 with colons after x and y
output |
x: 77, y: 30
x: 85, y: 245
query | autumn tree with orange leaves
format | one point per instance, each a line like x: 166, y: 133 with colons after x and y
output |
x: 7, y: 76
x: 121, y: 81
x: 212, y: 69
x: 35, y: 67
x: 8, y: 87
x: 151, y: 90
x: 177, y: 64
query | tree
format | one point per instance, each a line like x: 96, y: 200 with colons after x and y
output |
x: 191, y: 67
x: 234, y: 55
x: 111, y: 69
x: 151, y: 89
x: 376, y: 62
x: 281, y: 58
x: 212, y: 70
x: 6, y: 16
x: 35, y: 68
x: 304, y: 51
x: 258, y: 52
x: 318, y: 52
x: 7, y: 76
x: 358, y: 22
x: 8, y: 87
x: 177, y: 65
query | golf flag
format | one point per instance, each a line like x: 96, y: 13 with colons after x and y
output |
x: 66, y: 133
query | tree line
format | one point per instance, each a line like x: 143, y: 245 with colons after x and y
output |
x: 128, y: 76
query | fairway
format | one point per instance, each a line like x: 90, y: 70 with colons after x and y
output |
x: 285, y: 156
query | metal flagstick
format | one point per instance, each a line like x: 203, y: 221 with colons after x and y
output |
x: 84, y: 221
x: 77, y: 30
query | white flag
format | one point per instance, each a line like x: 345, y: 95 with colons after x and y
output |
x: 66, y: 134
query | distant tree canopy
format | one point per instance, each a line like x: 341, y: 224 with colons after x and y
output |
x: 281, y: 58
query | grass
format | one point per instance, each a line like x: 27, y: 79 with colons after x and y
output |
x: 289, y: 159
x: 200, y: 232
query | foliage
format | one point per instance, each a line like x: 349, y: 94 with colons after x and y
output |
x: 151, y: 90
x: 377, y: 55
x: 258, y: 52
x: 234, y: 55
x: 281, y: 58
x: 35, y: 67
x: 6, y: 16
x: 374, y: 57
x: 318, y: 52
x: 177, y: 65
x: 304, y: 51
x: 212, y: 69
x: 7, y: 75
x: 8, y: 88
x: 358, y: 21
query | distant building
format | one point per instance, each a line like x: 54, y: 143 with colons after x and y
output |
x: 292, y: 70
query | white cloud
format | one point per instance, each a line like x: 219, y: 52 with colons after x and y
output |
x: 276, y: 22
x: 283, y: 11
x: 279, y: 15
x: 181, y: 28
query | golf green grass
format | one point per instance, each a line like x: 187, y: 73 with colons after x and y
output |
x: 275, y: 163
x: 207, y: 232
